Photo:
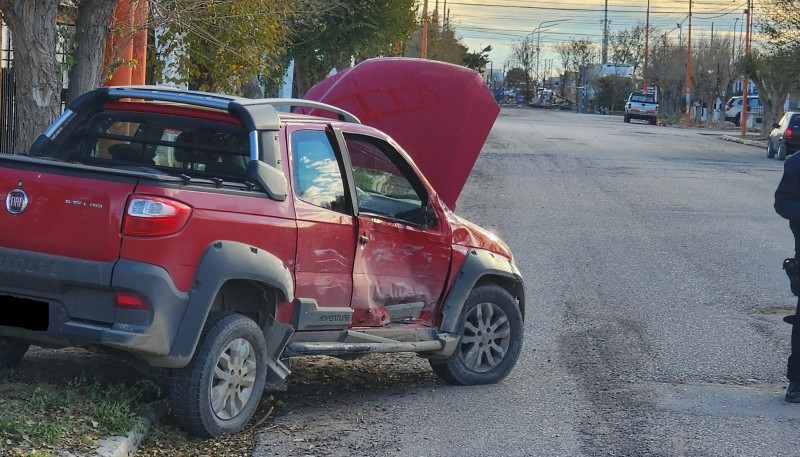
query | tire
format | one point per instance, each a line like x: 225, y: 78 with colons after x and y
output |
x: 11, y: 351
x: 490, y: 328
x: 203, y: 402
x: 782, y: 151
x: 736, y: 121
x: 770, y: 150
x: 626, y: 119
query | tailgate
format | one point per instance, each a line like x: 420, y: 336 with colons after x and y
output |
x: 67, y: 213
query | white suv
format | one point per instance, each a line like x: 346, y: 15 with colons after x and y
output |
x: 733, y: 109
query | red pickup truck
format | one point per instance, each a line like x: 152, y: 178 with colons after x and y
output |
x: 211, y: 238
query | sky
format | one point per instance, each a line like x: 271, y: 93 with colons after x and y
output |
x: 502, y: 23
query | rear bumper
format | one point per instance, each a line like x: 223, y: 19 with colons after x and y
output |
x: 80, y: 300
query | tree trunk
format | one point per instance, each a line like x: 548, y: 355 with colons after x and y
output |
x: 38, y: 79
x: 91, y: 29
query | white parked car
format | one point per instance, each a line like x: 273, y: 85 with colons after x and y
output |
x: 733, y: 109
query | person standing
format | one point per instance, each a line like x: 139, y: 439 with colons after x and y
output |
x: 787, y: 205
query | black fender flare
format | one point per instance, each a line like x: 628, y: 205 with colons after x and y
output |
x: 223, y: 261
x: 480, y: 264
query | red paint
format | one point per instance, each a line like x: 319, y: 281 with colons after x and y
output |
x: 440, y: 113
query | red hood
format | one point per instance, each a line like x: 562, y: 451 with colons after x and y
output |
x: 440, y: 113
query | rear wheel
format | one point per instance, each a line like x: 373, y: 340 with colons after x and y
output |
x: 770, y: 150
x: 218, y: 392
x: 782, y: 151
x: 491, y: 339
x: 11, y: 351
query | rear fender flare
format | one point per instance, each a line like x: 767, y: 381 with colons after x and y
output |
x: 223, y: 261
x: 480, y: 264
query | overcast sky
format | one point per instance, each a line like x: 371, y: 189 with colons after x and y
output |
x: 501, y: 23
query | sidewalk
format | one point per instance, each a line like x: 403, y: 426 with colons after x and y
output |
x: 750, y: 141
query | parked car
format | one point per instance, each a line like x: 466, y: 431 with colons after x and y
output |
x: 784, y: 139
x: 733, y: 109
x: 641, y: 105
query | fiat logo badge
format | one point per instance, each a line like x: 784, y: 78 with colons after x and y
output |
x: 16, y: 201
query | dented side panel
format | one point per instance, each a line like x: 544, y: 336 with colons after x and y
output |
x: 397, y: 263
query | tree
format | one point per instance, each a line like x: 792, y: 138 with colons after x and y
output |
x: 38, y: 86
x: 564, y: 51
x: 711, y: 71
x: 774, y: 73
x: 524, y: 52
x: 477, y: 60
x: 348, y: 31
x: 667, y: 71
x: 515, y: 78
x: 627, y: 46
x: 613, y: 90
x: 91, y: 29
x: 220, y: 45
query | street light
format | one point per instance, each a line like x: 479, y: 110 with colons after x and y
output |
x: 538, y: 31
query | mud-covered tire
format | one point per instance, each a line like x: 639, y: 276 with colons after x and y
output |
x: 770, y: 150
x: 782, y: 151
x: 218, y: 392
x: 12, y: 351
x: 490, y: 330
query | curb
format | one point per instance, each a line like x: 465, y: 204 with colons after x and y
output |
x: 749, y: 142
x: 127, y: 445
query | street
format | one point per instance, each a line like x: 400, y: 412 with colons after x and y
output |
x: 652, y: 260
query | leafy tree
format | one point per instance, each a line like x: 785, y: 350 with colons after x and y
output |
x: 774, y: 72
x: 477, y: 60
x: 348, y: 31
x: 515, y: 78
x: 613, y: 90
x: 219, y: 45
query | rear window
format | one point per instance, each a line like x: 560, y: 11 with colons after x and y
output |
x: 170, y: 144
x: 642, y: 98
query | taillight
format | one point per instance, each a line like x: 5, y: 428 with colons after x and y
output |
x: 787, y: 135
x: 154, y: 216
x: 129, y: 300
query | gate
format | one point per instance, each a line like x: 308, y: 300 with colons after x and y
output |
x: 8, y: 113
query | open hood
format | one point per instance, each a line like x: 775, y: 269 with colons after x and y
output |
x: 440, y: 113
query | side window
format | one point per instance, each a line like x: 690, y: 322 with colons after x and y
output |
x: 317, y: 177
x: 385, y: 183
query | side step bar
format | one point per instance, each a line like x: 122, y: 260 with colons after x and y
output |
x: 300, y: 349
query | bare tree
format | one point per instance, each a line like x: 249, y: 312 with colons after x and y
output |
x: 711, y: 74
x: 564, y: 51
x: 667, y: 71
x: 524, y: 52
x: 774, y: 73
x: 627, y: 46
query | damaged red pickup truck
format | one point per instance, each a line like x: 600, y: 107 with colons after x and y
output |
x: 212, y: 238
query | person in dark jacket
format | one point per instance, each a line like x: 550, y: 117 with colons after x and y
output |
x: 787, y: 205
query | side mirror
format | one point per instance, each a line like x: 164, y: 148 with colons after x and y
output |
x: 269, y: 178
x: 775, y: 125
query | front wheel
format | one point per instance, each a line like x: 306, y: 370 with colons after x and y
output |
x: 11, y: 351
x: 782, y: 151
x: 736, y: 121
x: 491, y: 339
x: 218, y: 392
x: 770, y: 150
x: 626, y: 119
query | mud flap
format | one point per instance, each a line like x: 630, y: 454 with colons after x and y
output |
x: 276, y: 336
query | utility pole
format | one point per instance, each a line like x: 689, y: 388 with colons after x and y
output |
x: 605, y: 34
x: 423, y: 52
x: 745, y: 79
x: 689, y: 69
x: 646, y: 52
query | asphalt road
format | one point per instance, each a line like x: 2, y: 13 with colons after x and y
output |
x: 652, y: 263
